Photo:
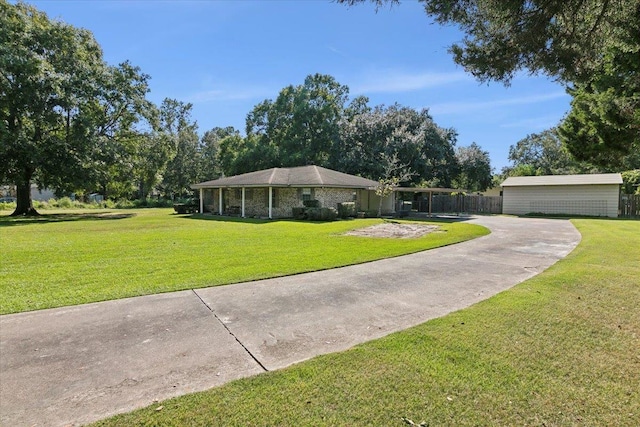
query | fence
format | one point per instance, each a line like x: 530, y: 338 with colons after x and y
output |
x: 629, y: 206
x: 458, y: 203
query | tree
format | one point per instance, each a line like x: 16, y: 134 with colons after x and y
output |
x: 150, y: 155
x: 394, y: 173
x: 301, y: 126
x: 399, y: 131
x: 61, y: 106
x: 590, y: 46
x: 210, y: 167
x: 631, y: 181
x: 543, y: 154
x: 182, y: 168
x: 603, y: 125
x: 475, y: 168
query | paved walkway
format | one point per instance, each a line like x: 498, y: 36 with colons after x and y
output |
x: 79, y: 364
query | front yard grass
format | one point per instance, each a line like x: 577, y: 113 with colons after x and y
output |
x: 74, y: 257
x: 559, y: 349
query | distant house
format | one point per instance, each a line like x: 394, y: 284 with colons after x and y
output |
x: 592, y: 195
x: 272, y: 193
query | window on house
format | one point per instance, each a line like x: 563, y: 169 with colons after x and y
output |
x: 306, y: 194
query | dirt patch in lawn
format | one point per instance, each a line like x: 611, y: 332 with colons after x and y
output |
x: 394, y: 230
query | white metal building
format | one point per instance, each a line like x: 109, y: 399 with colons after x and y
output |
x: 592, y: 195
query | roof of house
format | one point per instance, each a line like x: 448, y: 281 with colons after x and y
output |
x: 585, y: 179
x: 301, y: 176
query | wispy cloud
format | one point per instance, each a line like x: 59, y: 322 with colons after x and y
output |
x: 400, y: 81
x: 471, y: 106
x: 233, y: 94
x: 337, y: 51
x: 535, y: 123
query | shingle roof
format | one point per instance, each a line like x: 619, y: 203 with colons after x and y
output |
x: 585, y: 179
x: 302, y: 176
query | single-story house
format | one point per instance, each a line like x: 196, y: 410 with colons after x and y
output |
x: 274, y: 192
x: 590, y: 194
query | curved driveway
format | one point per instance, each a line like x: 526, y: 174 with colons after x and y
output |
x: 78, y: 364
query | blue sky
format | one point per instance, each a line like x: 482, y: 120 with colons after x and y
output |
x: 226, y: 56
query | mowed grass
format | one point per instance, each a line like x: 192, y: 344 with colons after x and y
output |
x: 67, y: 258
x: 561, y: 349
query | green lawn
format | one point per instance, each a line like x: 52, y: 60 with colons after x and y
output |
x: 562, y: 348
x: 66, y: 258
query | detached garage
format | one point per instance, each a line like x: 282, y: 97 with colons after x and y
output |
x: 592, y: 195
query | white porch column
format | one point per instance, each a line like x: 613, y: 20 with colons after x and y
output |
x: 242, y: 202
x: 270, y: 202
x: 220, y: 200
x: 201, y: 201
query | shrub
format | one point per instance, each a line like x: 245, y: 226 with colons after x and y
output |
x: 64, y: 203
x: 322, y: 214
x: 346, y: 209
x: 371, y: 213
x: 311, y: 203
x: 6, y: 206
x: 299, y: 213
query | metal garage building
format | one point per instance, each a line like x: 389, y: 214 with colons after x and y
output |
x: 593, y: 195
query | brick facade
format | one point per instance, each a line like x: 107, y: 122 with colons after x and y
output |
x: 284, y: 199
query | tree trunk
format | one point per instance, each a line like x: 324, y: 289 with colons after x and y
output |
x: 24, y: 205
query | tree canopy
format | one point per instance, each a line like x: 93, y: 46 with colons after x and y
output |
x: 64, y: 113
x: 475, y: 168
x: 544, y: 154
x: 591, y: 46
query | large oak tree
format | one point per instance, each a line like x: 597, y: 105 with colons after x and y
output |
x: 63, y: 110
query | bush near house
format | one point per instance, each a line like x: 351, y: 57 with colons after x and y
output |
x: 346, y: 209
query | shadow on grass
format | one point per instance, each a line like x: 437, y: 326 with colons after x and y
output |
x: 224, y: 218
x: 8, y: 221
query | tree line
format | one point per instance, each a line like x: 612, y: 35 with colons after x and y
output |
x: 73, y: 123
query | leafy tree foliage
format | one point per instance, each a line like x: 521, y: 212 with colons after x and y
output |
x: 631, y: 181
x: 301, y: 126
x: 561, y: 38
x: 412, y: 136
x: 64, y: 113
x: 475, y: 168
x: 544, y: 154
x: 183, y: 164
x: 314, y: 123
x: 591, y: 46
x: 210, y: 151
x: 394, y: 174
x: 603, y: 125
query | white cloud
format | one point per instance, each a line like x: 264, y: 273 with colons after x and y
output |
x: 398, y: 81
x: 470, y: 106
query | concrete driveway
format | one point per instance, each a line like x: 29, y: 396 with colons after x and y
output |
x: 78, y: 364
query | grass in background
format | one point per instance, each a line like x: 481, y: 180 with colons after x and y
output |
x: 559, y: 349
x: 71, y: 258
